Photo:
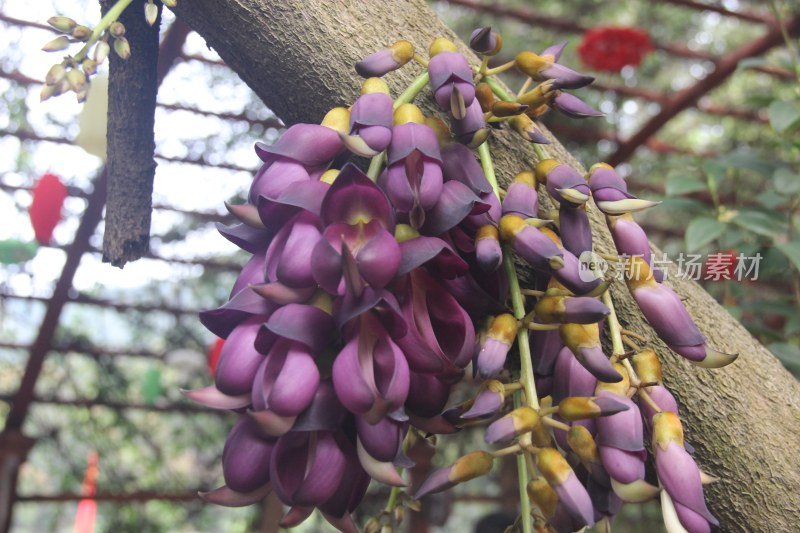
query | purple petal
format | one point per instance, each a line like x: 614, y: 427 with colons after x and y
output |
x: 574, y: 107
x: 280, y: 294
x: 409, y: 137
x: 302, y: 323
x: 555, y: 50
x: 246, y: 457
x: 629, y: 238
x: 382, y: 471
x: 487, y: 402
x: 325, y: 411
x: 584, y: 310
x: 571, y: 378
x: 377, y: 64
x: 253, y: 273
x: 353, y: 198
x: 665, y: 312
x: 276, y: 176
x: 327, y: 464
x: 501, y: 430
x: 310, y: 144
x: 624, y: 430
x: 565, y: 77
x: 211, y: 397
x: 492, y: 357
x: 239, y: 360
x: 448, y: 67
x: 230, y: 498
x: 275, y: 211
x: 456, y: 202
x: 545, y: 346
x: 488, y: 254
x: 576, y: 233
x: 622, y: 465
x: 521, y: 200
x: 290, y: 380
x: 427, y: 395
x: 574, y: 276
x: 680, y: 476
x: 577, y: 502
x: 565, y: 177
x: 465, y: 129
x: 372, y: 109
x: 383, y: 440
x: 379, y: 259
x: 248, y: 238
x: 434, y: 252
x: 293, y: 265
x: 536, y: 248
x: 438, y: 481
x: 459, y: 163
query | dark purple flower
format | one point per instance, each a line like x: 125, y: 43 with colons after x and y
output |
x: 246, y: 457
x: 413, y: 178
x: 370, y: 374
x: 306, y: 467
x: 576, y: 233
x: 287, y: 380
x: 440, y: 334
x: 239, y: 360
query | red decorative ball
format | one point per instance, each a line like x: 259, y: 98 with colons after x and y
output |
x: 45, y: 210
x: 609, y: 49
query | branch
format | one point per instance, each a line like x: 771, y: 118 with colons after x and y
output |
x: 131, y: 168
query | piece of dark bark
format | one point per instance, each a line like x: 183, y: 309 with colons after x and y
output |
x: 131, y: 167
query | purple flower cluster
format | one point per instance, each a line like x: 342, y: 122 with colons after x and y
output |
x: 355, y: 315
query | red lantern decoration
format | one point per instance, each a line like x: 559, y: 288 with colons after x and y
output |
x: 213, y: 356
x: 45, y: 211
x: 87, y: 508
x: 609, y: 49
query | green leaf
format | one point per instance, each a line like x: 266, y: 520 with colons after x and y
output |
x: 789, y: 355
x: 771, y: 199
x: 768, y: 224
x: 678, y: 185
x: 785, y: 181
x: 15, y: 251
x: 783, y: 115
x: 791, y: 250
x: 701, y: 231
x: 749, y: 161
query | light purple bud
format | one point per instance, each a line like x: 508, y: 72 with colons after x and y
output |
x: 555, y: 50
x: 622, y: 465
x: 501, y: 430
x: 576, y: 233
x: 571, y: 378
x: 584, y: 310
x: 488, y: 254
x: 573, y: 276
x: 447, y: 71
x: 545, y: 346
x: 521, y: 200
x: 466, y: 128
x: 565, y: 177
x: 486, y: 403
x: 665, y: 312
x: 536, y: 248
x: 680, y: 477
x: 492, y: 357
x: 377, y: 64
x: 575, y: 499
x: 574, y: 107
x: 565, y: 77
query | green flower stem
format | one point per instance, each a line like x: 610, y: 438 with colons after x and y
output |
x: 375, y: 166
x: 526, y: 366
x: 391, y: 503
x: 111, y: 16
x: 412, y: 90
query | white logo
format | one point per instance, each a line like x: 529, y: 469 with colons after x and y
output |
x: 591, y: 266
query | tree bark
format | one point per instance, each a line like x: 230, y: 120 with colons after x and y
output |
x: 131, y: 168
x: 744, y: 420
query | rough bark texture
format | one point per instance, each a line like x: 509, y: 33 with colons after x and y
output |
x: 744, y: 420
x: 131, y: 168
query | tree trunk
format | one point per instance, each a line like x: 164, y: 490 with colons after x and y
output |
x: 744, y: 420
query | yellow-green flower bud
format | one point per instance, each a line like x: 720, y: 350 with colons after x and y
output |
x: 150, y: 13
x: 62, y: 24
x: 408, y: 113
x: 55, y: 74
x: 59, y: 43
x: 374, y: 85
x: 117, y: 29
x: 101, y: 51
x: 122, y: 47
x: 82, y: 33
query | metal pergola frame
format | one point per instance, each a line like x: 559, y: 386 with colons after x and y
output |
x: 14, y: 445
